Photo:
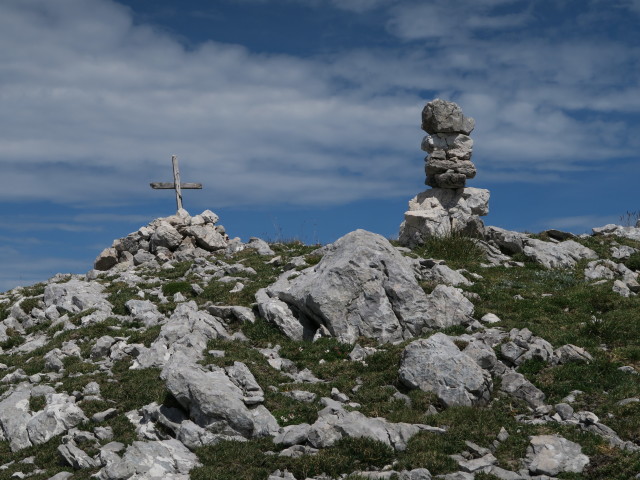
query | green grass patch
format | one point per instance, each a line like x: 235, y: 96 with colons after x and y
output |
x: 247, y: 460
x: 172, y: 288
x: 457, y: 249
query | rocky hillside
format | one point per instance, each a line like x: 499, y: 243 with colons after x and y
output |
x: 186, y: 354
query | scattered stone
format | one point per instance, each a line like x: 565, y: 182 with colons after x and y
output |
x: 490, y: 318
x: 516, y: 385
x: 157, y: 459
x: 335, y: 423
x: 553, y: 454
x: 76, y: 457
x: 570, y: 353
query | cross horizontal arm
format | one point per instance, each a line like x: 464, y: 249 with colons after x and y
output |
x: 172, y: 186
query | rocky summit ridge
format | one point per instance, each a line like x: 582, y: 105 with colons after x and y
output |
x: 462, y: 351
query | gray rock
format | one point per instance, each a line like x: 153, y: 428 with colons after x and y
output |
x: 482, y: 354
x: 214, y: 401
x: 570, y: 353
x: 102, y: 347
x: 440, y: 116
x: 446, y: 275
x: 564, y: 410
x: 441, y: 211
x: 278, y: 475
x: 104, y: 415
x: 106, y: 259
x: 59, y: 414
x: 456, y: 146
x: 142, y: 257
x: 618, y: 230
x: 209, y: 217
x: 447, y: 306
x: 14, y: 415
x: 506, y: 240
x: 76, y: 457
x: 503, y: 474
x: 188, y: 331
x: 490, y: 318
x: 260, y: 246
x: 207, y: 237
x: 516, y: 385
x: 600, y: 269
x: 622, y: 252
x: 61, y: 476
x: 76, y: 296
x: 557, y: 255
x: 166, y: 459
x: 553, y: 454
x: 359, y: 353
x: 301, y: 396
x: 165, y: 236
x: 232, y: 312
x: 293, y: 435
x: 622, y: 289
x: 415, y: 474
x: 145, y: 311
x: 525, y: 346
x: 335, y: 423
x: 437, y: 365
x: 242, y: 377
x: 477, y: 464
x: 361, y: 287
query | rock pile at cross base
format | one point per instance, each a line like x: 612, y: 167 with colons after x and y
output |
x: 359, y: 290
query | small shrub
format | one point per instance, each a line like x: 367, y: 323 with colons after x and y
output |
x: 37, y: 402
x: 28, y: 304
x: 633, y: 262
x: 119, y: 294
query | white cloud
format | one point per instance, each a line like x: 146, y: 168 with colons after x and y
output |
x: 92, y: 107
x: 451, y: 20
x: 580, y: 223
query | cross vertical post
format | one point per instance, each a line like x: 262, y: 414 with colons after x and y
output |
x: 176, y: 181
x: 176, y: 185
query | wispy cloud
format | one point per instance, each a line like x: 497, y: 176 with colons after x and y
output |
x: 79, y: 109
x: 580, y: 223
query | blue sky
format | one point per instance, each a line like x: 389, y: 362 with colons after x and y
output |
x: 301, y: 117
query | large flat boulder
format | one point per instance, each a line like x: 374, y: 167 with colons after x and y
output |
x: 222, y: 401
x: 553, y: 454
x: 564, y: 254
x: 23, y: 428
x: 437, y: 365
x: 166, y: 459
x: 362, y: 287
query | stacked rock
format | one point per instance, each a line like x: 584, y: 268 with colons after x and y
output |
x: 448, y: 164
x: 448, y: 207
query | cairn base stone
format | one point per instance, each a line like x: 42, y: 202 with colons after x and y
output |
x: 441, y: 211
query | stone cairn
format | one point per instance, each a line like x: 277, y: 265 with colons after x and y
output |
x: 178, y: 237
x: 449, y: 206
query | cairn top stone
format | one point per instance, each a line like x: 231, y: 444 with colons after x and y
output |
x: 440, y: 116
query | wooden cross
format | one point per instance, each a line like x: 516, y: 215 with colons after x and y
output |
x: 176, y: 185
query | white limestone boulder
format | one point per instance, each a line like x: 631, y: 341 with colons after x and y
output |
x: 553, y: 454
x: 437, y: 365
x: 362, y: 287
